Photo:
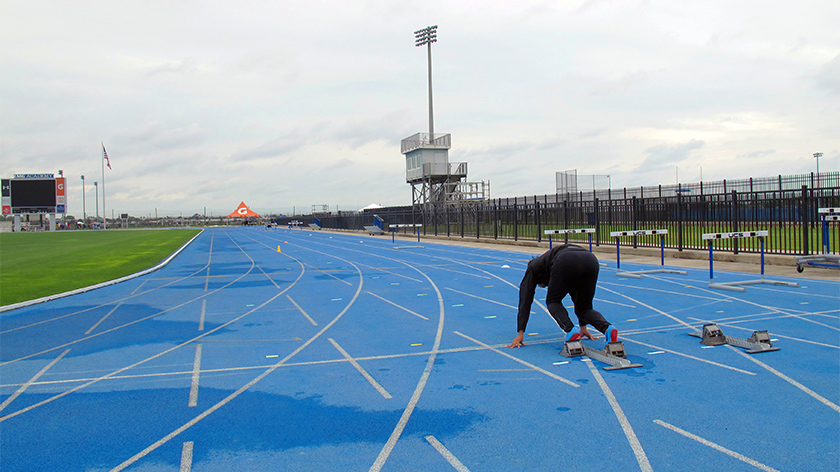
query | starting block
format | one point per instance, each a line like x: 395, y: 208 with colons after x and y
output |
x: 734, y: 285
x: 711, y: 335
x: 637, y: 274
x: 613, y: 354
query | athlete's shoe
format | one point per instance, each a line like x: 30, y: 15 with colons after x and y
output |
x: 612, y: 335
x: 573, y: 335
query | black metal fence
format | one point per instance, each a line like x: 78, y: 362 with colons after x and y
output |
x: 790, y: 215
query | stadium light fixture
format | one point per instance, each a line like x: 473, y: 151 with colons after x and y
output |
x: 425, y: 37
x: 817, y: 156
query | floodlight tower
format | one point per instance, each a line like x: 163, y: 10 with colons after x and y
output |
x: 425, y: 37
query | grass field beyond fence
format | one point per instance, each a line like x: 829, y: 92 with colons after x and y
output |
x: 34, y: 265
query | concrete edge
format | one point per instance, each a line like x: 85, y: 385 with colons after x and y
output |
x: 162, y: 264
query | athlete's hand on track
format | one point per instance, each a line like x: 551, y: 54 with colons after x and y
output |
x: 517, y: 341
x: 585, y: 333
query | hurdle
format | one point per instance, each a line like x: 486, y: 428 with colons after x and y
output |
x: 826, y: 259
x: 549, y: 232
x: 405, y: 225
x: 637, y: 274
x: 734, y: 286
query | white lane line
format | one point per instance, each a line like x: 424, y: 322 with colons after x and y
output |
x: 651, y: 308
x: 781, y: 336
x: 722, y: 449
x: 446, y: 454
x: 421, y: 384
x: 186, y: 457
x: 32, y: 380
x: 139, y: 286
x: 103, y: 318
x: 538, y: 369
x: 195, y: 373
x: 398, y: 306
x: 203, y: 311
x: 641, y: 457
x: 302, y: 311
x: 245, y: 387
x: 784, y: 377
x: 614, y: 303
x: 481, y: 298
x: 379, y: 388
x: 625, y: 338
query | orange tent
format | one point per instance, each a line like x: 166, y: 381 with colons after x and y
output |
x: 242, y: 211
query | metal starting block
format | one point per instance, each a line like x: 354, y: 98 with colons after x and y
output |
x: 613, y: 354
x: 711, y: 335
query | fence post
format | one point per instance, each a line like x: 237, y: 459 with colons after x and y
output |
x: 515, y: 222
x: 537, y: 219
x: 495, y: 220
x: 597, y: 219
x: 448, y: 234
x: 478, y: 212
x: 734, y: 219
x: 806, y: 219
x: 634, y: 216
x: 679, y: 221
x: 462, y: 221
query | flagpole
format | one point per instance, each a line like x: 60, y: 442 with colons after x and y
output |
x: 104, y: 213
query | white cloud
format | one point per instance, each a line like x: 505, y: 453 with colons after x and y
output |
x: 281, y: 104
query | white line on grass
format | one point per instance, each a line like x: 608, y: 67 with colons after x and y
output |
x: 722, y: 449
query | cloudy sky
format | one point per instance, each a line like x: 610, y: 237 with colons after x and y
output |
x: 282, y: 104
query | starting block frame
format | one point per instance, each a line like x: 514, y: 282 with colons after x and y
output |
x: 735, y: 286
x: 637, y: 274
x: 613, y: 354
x: 394, y: 228
x: 826, y: 259
x: 712, y: 335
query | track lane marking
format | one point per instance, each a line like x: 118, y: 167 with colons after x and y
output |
x: 31, y: 381
x: 638, y: 451
x: 722, y: 449
x: 379, y: 388
x: 453, y: 461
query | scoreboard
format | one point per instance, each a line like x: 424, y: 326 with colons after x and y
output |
x: 34, y: 193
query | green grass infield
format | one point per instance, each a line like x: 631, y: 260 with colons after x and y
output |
x: 35, y: 265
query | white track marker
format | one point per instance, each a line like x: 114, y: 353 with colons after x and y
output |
x: 715, y: 446
x: 641, y: 457
x: 379, y: 388
x: 539, y: 369
x: 398, y: 306
x: 32, y: 380
x: 203, y: 311
x: 302, y: 311
x: 446, y: 454
x: 195, y: 373
x: 784, y: 377
x: 186, y: 457
x: 103, y: 318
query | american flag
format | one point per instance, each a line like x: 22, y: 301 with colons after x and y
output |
x: 105, y: 156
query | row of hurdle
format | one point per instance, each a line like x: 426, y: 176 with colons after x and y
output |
x: 661, y: 233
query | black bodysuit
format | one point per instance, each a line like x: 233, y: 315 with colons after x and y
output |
x: 565, y: 269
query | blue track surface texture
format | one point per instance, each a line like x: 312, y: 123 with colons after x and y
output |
x: 295, y: 350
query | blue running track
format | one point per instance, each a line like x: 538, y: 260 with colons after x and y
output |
x: 291, y: 350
